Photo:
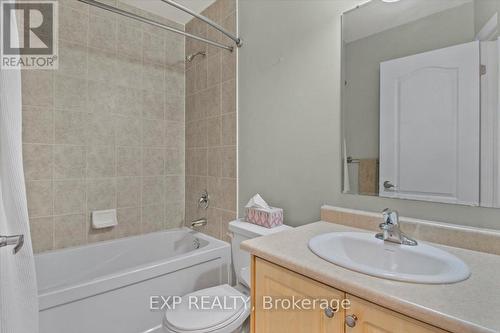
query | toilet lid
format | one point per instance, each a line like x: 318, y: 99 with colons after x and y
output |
x: 206, y: 309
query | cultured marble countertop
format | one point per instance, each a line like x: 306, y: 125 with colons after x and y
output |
x: 466, y: 307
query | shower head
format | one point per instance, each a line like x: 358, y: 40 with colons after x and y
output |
x: 191, y: 57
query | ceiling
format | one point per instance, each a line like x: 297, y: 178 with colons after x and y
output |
x: 162, y: 9
x: 361, y: 22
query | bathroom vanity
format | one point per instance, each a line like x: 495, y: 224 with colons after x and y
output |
x: 285, y: 268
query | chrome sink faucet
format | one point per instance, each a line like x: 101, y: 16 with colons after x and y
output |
x: 391, y: 231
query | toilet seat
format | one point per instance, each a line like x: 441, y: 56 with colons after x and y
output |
x: 214, y: 316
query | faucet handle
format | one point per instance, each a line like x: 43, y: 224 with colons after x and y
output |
x: 390, y: 216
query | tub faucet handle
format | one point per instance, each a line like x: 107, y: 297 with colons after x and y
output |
x: 204, y: 200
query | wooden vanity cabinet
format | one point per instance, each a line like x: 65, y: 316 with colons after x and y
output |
x: 282, y: 284
x: 360, y: 316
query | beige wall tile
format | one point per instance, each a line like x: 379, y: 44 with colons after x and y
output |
x: 153, y: 162
x: 69, y: 230
x: 152, y: 218
x: 196, y: 134
x: 37, y: 161
x: 38, y: 125
x: 69, y: 161
x: 228, y: 162
x: 113, y: 113
x: 100, y: 129
x: 228, y: 97
x: 226, y: 217
x: 227, y: 7
x: 72, y: 59
x: 174, y: 107
x: 214, y: 162
x: 211, y: 122
x: 101, y: 194
x: 128, y: 192
x: 129, y: 222
x: 130, y: 70
x: 129, y: 40
x: 210, y: 99
x: 201, y: 73
x: 103, y: 65
x: 174, y: 162
x: 213, y: 70
x: 40, y: 198
x: 174, y: 214
x: 70, y: 93
x: 127, y: 131
x: 214, y: 131
x: 229, y: 129
x: 69, y: 127
x: 101, y: 161
x: 103, y: 32
x: 228, y: 69
x: 153, y: 133
x: 42, y: 233
x: 153, y: 104
x: 196, y: 162
x: 174, y: 189
x: 73, y: 25
x: 154, y: 49
x: 129, y: 102
x: 153, y: 191
x: 174, y: 135
x: 103, y: 97
x: 38, y: 87
x: 69, y: 197
x: 190, y: 79
x: 153, y: 78
x: 129, y: 161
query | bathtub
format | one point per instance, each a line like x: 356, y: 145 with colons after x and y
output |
x: 107, y: 286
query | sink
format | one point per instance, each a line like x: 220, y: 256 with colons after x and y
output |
x: 362, y: 252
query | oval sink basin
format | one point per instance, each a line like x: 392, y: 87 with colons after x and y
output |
x: 362, y: 252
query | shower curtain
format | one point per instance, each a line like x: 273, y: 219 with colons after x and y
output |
x: 18, y: 290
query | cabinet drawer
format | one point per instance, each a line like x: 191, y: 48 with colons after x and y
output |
x: 372, y: 318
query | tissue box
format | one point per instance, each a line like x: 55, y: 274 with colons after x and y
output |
x: 268, y: 218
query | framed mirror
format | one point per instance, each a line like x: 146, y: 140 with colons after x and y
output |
x: 420, y: 106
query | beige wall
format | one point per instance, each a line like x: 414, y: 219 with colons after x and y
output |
x: 289, y: 115
x: 105, y: 130
x: 211, y: 123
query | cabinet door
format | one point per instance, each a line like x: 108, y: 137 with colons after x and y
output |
x: 375, y: 319
x: 278, y: 283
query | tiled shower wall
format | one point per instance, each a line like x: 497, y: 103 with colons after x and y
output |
x: 211, y: 122
x: 105, y: 130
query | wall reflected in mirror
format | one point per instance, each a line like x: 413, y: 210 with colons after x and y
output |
x: 420, y: 101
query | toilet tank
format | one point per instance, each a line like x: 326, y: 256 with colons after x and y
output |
x: 242, y: 231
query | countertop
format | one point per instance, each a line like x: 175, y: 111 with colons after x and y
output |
x: 470, y: 306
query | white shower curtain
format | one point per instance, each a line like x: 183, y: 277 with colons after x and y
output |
x: 18, y: 289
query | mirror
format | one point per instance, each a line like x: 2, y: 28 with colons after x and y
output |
x: 420, y: 109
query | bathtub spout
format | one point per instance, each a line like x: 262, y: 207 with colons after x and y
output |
x: 199, y: 223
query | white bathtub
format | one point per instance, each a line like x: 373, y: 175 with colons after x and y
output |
x: 106, y: 287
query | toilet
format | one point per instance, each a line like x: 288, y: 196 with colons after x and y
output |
x: 191, y: 317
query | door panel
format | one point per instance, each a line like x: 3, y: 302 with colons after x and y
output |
x: 429, y: 125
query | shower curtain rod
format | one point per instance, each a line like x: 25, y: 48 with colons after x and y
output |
x: 172, y: 3
x: 166, y: 27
